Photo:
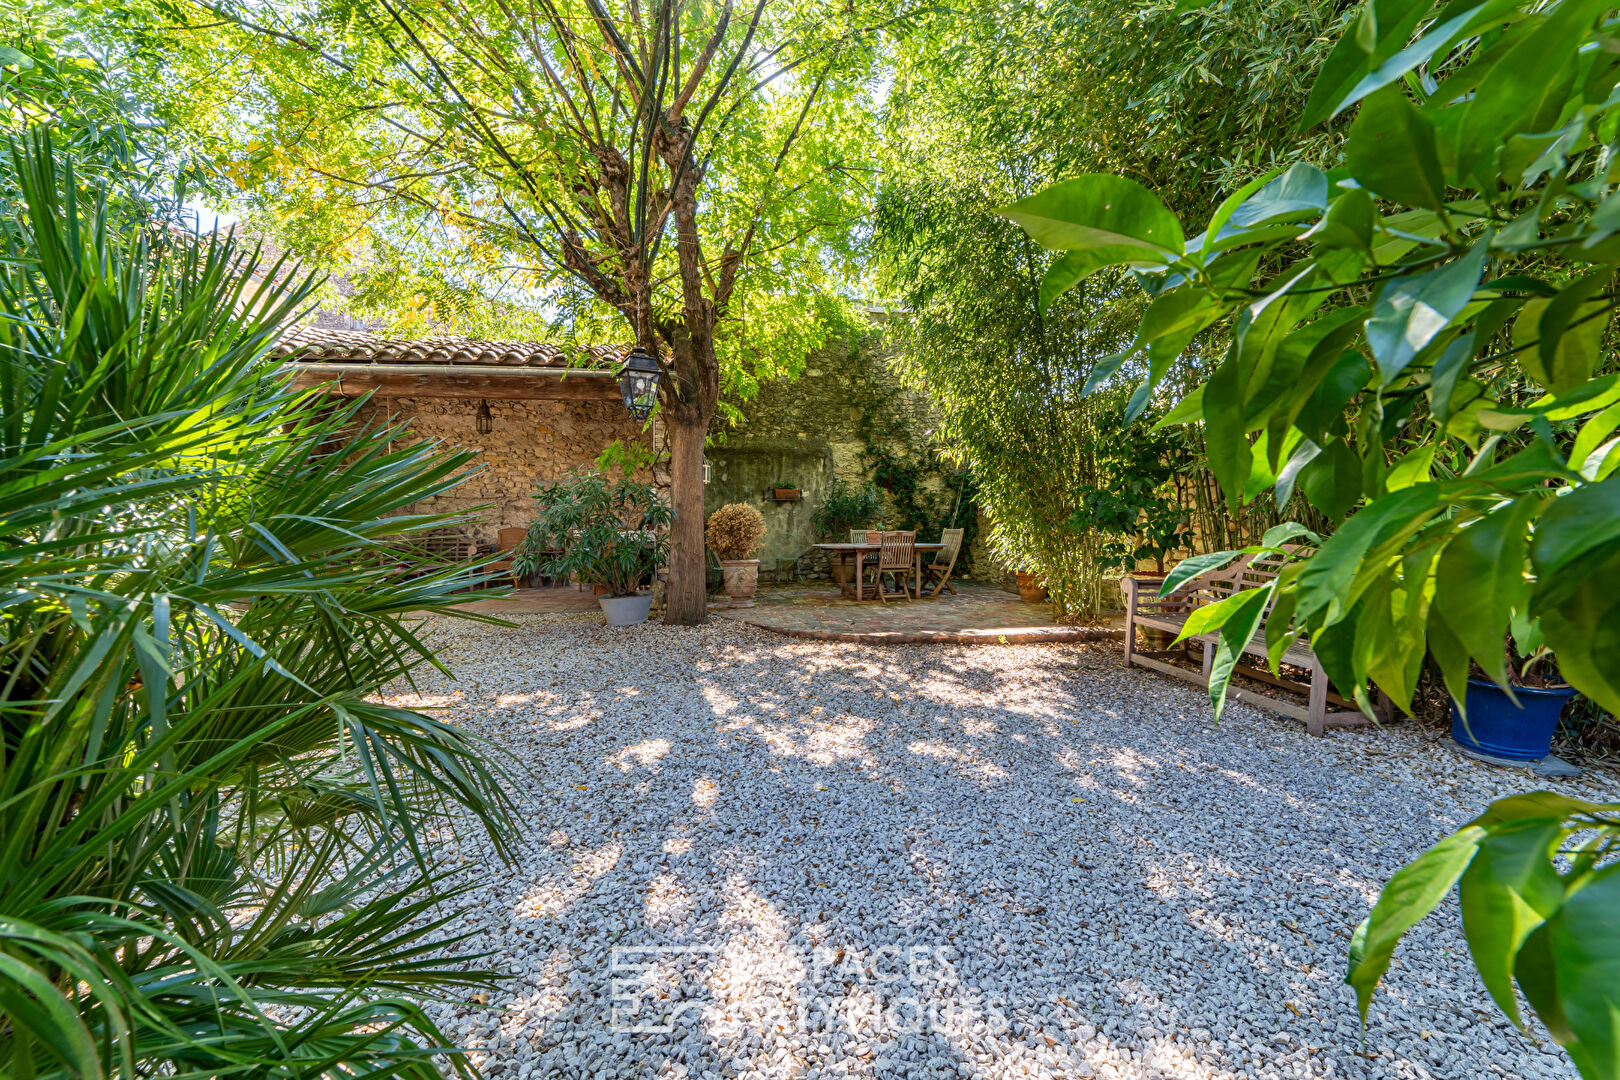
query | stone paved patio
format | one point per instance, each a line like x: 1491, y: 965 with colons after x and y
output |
x: 976, y: 614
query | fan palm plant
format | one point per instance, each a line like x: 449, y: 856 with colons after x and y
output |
x: 212, y: 834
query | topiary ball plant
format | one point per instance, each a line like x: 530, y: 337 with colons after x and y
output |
x: 735, y: 531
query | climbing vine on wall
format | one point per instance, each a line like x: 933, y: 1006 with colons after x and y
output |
x: 923, y: 490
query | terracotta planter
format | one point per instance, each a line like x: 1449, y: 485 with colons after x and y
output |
x: 742, y: 578
x: 1031, y: 588
x: 786, y: 494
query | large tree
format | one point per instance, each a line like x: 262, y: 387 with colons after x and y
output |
x: 689, y: 166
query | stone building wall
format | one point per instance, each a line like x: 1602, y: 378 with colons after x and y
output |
x: 806, y: 432
x: 533, y: 442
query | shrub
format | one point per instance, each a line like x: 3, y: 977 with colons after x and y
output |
x: 846, y: 507
x: 611, y: 532
x: 735, y: 531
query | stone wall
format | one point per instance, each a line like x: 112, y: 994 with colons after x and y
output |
x: 533, y: 442
x: 806, y: 432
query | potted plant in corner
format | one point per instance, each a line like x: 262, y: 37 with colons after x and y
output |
x: 613, y: 535
x: 1503, y: 731
x: 843, y: 508
x: 734, y: 533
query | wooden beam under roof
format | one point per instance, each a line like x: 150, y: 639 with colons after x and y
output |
x: 458, y: 381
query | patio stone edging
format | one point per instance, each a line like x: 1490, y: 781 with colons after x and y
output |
x: 1031, y: 635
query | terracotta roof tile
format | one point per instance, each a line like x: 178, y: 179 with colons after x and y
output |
x: 313, y: 344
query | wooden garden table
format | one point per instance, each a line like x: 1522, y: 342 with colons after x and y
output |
x: 861, y: 551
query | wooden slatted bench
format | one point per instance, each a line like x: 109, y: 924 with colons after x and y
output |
x: 1144, y: 607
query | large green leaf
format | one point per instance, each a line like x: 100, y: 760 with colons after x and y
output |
x: 1508, y: 891
x: 1569, y: 333
x: 1526, y: 81
x: 1585, y: 945
x: 1576, y: 525
x: 1415, y: 890
x: 1481, y: 579
x: 1226, y: 443
x: 1333, y: 479
x: 1098, y: 211
x: 1350, y: 61
x: 1583, y: 626
x: 1073, y: 267
x: 1300, y: 192
x: 1248, y: 609
x: 1392, y: 151
x: 1410, y: 312
x: 1327, y: 576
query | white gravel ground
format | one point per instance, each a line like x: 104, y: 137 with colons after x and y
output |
x: 942, y: 861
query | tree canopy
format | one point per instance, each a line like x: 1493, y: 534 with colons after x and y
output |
x: 685, y: 169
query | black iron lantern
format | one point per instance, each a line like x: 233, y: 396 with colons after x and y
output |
x: 638, y: 382
x: 484, y: 421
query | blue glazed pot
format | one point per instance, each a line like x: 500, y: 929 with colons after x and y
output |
x: 1497, y: 728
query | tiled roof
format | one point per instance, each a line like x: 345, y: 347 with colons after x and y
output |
x: 312, y: 344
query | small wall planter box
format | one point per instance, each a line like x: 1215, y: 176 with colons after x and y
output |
x: 786, y: 494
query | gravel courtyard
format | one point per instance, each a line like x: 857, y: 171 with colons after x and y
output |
x: 748, y: 855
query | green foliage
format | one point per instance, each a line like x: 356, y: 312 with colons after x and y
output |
x: 1416, y: 339
x: 46, y: 77
x: 628, y: 458
x: 990, y: 108
x: 1539, y: 892
x: 217, y: 844
x: 611, y: 532
x: 846, y: 507
x: 1472, y: 326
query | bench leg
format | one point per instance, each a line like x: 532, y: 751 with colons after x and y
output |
x: 1209, y: 661
x: 1130, y: 638
x: 1316, y: 716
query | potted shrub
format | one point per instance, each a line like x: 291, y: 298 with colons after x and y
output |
x: 1503, y: 731
x: 1031, y: 587
x: 612, y: 537
x: 734, y: 533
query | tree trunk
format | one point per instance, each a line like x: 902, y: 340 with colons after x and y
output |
x: 687, y: 590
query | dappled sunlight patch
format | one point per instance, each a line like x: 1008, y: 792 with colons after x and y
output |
x: 643, y: 754
x: 556, y: 893
x: 670, y: 905
x: 704, y: 792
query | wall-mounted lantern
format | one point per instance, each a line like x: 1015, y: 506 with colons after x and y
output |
x: 484, y: 420
x: 638, y: 382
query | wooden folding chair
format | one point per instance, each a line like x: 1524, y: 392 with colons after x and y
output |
x: 896, y: 554
x: 944, y: 562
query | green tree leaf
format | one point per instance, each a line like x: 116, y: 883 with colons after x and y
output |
x: 1415, y: 890
x: 1584, y: 940
x: 1569, y: 333
x: 1508, y: 891
x: 1073, y: 267
x: 1526, y: 80
x: 1410, y: 312
x: 1480, y: 579
x: 1392, y: 151
x: 1351, y: 61
x: 1100, y: 211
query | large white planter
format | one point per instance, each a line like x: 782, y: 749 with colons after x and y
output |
x: 742, y: 578
x: 625, y: 610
